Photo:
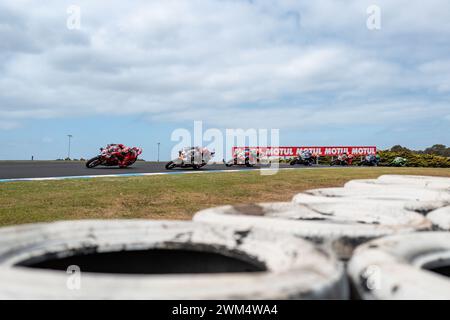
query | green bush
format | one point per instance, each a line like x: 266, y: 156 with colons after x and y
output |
x: 414, y: 159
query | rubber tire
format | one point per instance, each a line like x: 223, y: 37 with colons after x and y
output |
x: 91, y: 161
x: 395, y: 267
x: 440, y: 218
x: 417, y: 181
x: 341, y: 225
x: 170, y: 165
x: 296, y: 269
x: 416, y: 199
x: 407, y: 183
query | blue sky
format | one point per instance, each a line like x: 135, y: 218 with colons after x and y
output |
x: 137, y: 70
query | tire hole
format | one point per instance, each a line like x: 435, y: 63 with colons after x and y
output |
x: 443, y: 271
x: 154, y: 261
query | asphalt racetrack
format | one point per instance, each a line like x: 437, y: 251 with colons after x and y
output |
x: 47, y: 169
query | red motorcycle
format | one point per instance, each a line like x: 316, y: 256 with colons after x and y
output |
x: 243, y: 157
x: 343, y: 160
x: 106, y: 159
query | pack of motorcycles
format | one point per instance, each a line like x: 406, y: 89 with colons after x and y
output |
x: 197, y: 157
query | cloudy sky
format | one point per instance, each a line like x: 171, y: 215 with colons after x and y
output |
x: 136, y: 70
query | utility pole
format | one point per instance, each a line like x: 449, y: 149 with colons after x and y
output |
x: 70, y: 137
x: 158, y: 150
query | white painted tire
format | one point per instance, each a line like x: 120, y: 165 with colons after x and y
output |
x: 423, y: 184
x: 341, y: 225
x: 420, y: 181
x: 397, y: 267
x: 440, y: 218
x: 416, y: 199
x: 294, y: 268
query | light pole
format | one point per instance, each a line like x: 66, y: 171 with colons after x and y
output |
x: 158, y: 150
x: 68, y: 154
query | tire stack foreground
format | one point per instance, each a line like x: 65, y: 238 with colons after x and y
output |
x: 141, y: 259
x: 386, y: 238
x: 391, y: 232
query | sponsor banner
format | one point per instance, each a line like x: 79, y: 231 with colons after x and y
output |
x: 294, y: 151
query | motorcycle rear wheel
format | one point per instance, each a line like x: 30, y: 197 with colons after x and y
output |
x: 92, y: 163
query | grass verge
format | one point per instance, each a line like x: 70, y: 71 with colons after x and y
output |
x: 167, y: 197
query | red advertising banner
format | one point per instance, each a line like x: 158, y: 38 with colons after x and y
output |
x: 320, y: 151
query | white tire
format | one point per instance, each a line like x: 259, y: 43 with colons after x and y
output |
x: 440, y: 218
x: 397, y: 267
x: 422, y: 181
x: 288, y: 267
x: 423, y: 184
x: 341, y: 225
x: 416, y: 199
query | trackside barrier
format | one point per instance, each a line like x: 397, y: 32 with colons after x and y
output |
x: 341, y: 225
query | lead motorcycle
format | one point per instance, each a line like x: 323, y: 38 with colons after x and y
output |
x: 105, y: 158
x: 192, y: 157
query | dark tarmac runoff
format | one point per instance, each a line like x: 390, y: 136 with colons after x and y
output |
x: 47, y: 169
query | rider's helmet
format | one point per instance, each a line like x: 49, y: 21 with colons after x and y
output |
x: 137, y: 150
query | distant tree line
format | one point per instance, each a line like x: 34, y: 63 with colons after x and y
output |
x: 437, y: 156
x: 437, y: 150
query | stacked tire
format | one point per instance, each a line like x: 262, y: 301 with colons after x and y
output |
x: 142, y: 259
x: 381, y: 227
x: 334, y: 224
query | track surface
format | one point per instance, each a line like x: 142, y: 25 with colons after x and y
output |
x: 46, y: 169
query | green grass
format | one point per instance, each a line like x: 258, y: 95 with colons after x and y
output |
x: 167, y: 197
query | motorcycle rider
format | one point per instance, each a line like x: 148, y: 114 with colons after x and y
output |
x: 123, y: 153
x: 306, y: 154
x: 344, y: 157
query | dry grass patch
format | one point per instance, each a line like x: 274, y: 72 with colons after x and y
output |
x: 167, y: 197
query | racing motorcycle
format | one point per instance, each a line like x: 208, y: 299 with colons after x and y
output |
x: 192, y: 157
x: 245, y: 157
x: 105, y: 159
x: 370, y: 160
x: 342, y: 160
x: 399, y: 162
x: 306, y: 158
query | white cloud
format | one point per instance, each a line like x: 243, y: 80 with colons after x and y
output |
x: 193, y: 59
x: 8, y: 125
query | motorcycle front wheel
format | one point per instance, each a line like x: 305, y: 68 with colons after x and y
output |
x: 92, y: 163
x: 170, y: 165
